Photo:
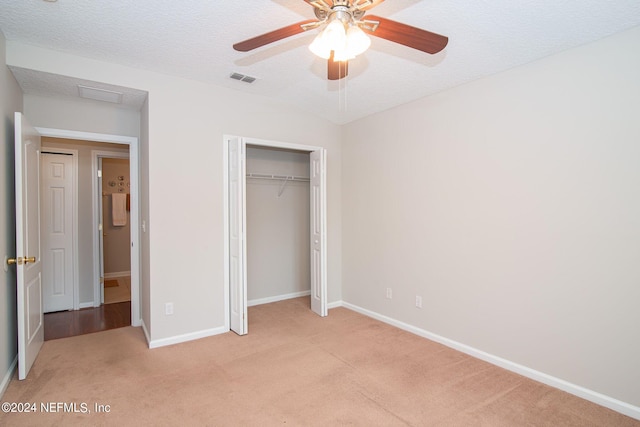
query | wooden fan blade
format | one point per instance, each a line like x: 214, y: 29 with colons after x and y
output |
x: 273, y: 36
x: 320, y: 3
x: 336, y: 70
x: 407, y: 35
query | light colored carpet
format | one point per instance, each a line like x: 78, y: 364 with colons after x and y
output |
x: 119, y: 293
x: 296, y: 369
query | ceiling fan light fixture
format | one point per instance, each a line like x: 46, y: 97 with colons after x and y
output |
x: 320, y: 48
x: 332, y: 38
x: 357, y: 41
x: 345, y: 43
x: 343, y: 33
x: 334, y: 34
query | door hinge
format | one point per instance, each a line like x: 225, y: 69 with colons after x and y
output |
x: 99, y: 173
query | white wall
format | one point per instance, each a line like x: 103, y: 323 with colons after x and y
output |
x: 82, y: 115
x: 10, y: 102
x: 512, y: 206
x: 278, y: 247
x: 187, y: 121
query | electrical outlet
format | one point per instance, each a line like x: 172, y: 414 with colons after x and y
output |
x: 418, y: 301
x: 389, y: 293
x: 168, y: 309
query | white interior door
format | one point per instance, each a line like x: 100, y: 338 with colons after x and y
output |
x: 28, y: 253
x: 317, y: 198
x: 57, y: 231
x: 237, y: 244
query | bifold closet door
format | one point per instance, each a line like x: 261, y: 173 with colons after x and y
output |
x: 317, y: 161
x: 237, y: 243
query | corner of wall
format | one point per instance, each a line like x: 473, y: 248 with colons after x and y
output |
x: 145, y: 281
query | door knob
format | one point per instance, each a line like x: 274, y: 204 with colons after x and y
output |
x: 21, y: 260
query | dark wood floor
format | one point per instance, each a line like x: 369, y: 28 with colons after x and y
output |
x: 64, y: 324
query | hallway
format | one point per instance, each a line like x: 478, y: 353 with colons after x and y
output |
x: 64, y: 324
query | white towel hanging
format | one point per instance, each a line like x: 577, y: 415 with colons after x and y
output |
x: 119, y: 209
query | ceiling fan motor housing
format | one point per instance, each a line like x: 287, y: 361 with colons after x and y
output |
x: 342, y: 10
x: 341, y: 13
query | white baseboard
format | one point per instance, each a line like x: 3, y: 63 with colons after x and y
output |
x: 277, y: 298
x: 146, y: 333
x: 85, y: 305
x: 590, y: 395
x: 215, y: 331
x: 117, y: 274
x: 7, y: 376
x: 334, y: 304
x: 185, y: 337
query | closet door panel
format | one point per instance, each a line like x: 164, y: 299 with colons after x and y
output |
x: 318, y: 232
x: 237, y: 244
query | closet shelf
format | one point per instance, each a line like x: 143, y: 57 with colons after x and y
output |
x: 283, y: 178
x: 278, y: 177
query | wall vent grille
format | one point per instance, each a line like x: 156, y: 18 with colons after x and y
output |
x: 242, y: 77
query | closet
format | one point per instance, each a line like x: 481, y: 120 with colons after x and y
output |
x: 277, y: 224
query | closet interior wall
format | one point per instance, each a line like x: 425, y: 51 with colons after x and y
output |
x: 277, y: 225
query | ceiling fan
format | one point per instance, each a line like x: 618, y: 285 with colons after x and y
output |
x: 343, y: 36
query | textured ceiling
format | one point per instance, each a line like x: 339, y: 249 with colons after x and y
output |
x: 193, y: 39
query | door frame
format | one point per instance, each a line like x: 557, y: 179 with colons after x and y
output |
x: 226, y: 203
x: 134, y: 167
x: 76, y: 264
x: 97, y: 203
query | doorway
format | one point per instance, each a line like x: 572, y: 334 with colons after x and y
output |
x: 63, y: 222
x: 114, y: 223
x: 235, y: 211
x: 91, y: 296
x: 29, y: 307
x: 277, y: 204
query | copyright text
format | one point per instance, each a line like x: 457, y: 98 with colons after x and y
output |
x: 55, y: 407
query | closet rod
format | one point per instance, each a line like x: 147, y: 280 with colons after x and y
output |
x: 277, y: 177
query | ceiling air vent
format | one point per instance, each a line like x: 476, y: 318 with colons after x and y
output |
x: 242, y: 78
